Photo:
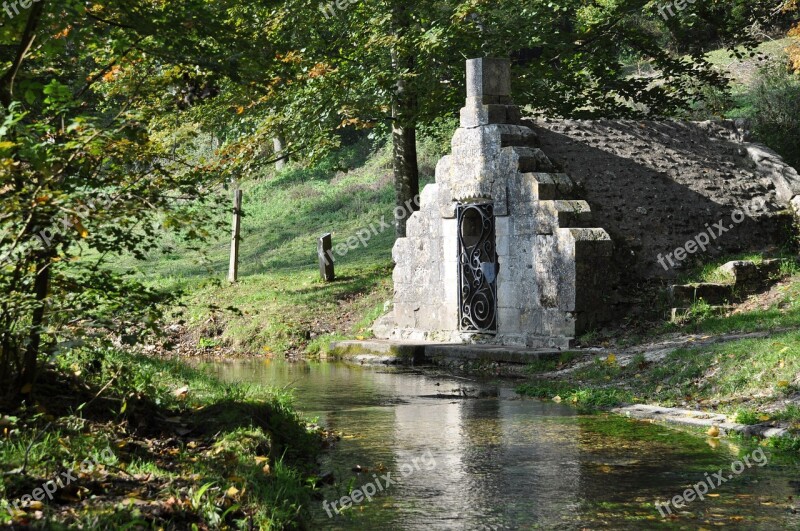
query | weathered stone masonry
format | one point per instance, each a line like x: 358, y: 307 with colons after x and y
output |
x: 552, y: 263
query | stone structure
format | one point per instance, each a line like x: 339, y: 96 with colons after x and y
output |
x: 499, y: 252
x: 655, y: 185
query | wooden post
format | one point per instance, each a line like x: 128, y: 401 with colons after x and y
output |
x: 233, y: 268
x: 324, y: 246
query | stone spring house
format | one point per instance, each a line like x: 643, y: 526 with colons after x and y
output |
x: 505, y: 249
x: 498, y: 252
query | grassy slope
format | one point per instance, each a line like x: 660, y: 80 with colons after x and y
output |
x: 743, y: 71
x: 284, y: 306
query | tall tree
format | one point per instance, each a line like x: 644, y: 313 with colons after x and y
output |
x: 84, y: 175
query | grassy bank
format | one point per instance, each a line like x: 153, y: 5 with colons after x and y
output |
x: 751, y: 379
x: 139, y: 441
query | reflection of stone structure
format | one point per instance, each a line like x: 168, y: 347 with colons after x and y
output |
x: 498, y: 252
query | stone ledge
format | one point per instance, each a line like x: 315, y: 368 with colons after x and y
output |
x: 378, y: 351
x: 410, y: 352
x: 784, y: 177
x: 699, y: 419
x: 493, y: 353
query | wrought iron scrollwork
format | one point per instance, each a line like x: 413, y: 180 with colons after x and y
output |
x: 477, y: 268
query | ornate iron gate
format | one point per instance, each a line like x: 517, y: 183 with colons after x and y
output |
x: 477, y: 268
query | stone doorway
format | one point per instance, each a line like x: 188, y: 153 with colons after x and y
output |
x: 477, y: 268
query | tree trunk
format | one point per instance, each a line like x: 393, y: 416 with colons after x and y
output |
x: 406, y: 174
x: 41, y: 287
x: 23, y: 48
x: 279, y: 146
x: 404, y: 124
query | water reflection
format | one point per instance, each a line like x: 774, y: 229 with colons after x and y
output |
x: 508, y: 463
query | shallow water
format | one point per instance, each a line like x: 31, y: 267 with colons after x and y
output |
x: 505, y: 462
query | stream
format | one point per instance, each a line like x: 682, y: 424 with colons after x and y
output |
x: 471, y: 454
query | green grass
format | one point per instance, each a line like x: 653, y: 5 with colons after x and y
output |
x: 279, y: 303
x: 709, y: 271
x: 217, y: 455
x: 547, y: 365
x: 742, y: 70
x: 782, y: 314
x: 739, y: 378
x: 582, y: 397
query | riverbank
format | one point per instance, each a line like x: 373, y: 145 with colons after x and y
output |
x: 744, y: 365
x: 135, y: 440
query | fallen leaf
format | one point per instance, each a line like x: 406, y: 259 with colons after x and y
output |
x: 556, y: 398
x: 181, y: 393
x: 232, y: 492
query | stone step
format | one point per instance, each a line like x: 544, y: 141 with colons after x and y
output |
x: 520, y: 139
x: 683, y: 296
x: 376, y: 351
x: 750, y: 276
x: 746, y: 277
x: 564, y: 214
x: 532, y: 160
x: 549, y: 186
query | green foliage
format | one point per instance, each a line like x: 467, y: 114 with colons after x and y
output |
x: 83, y: 180
x: 784, y: 444
x: 747, y: 416
x: 585, y: 397
x: 776, y: 110
x: 711, y: 23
